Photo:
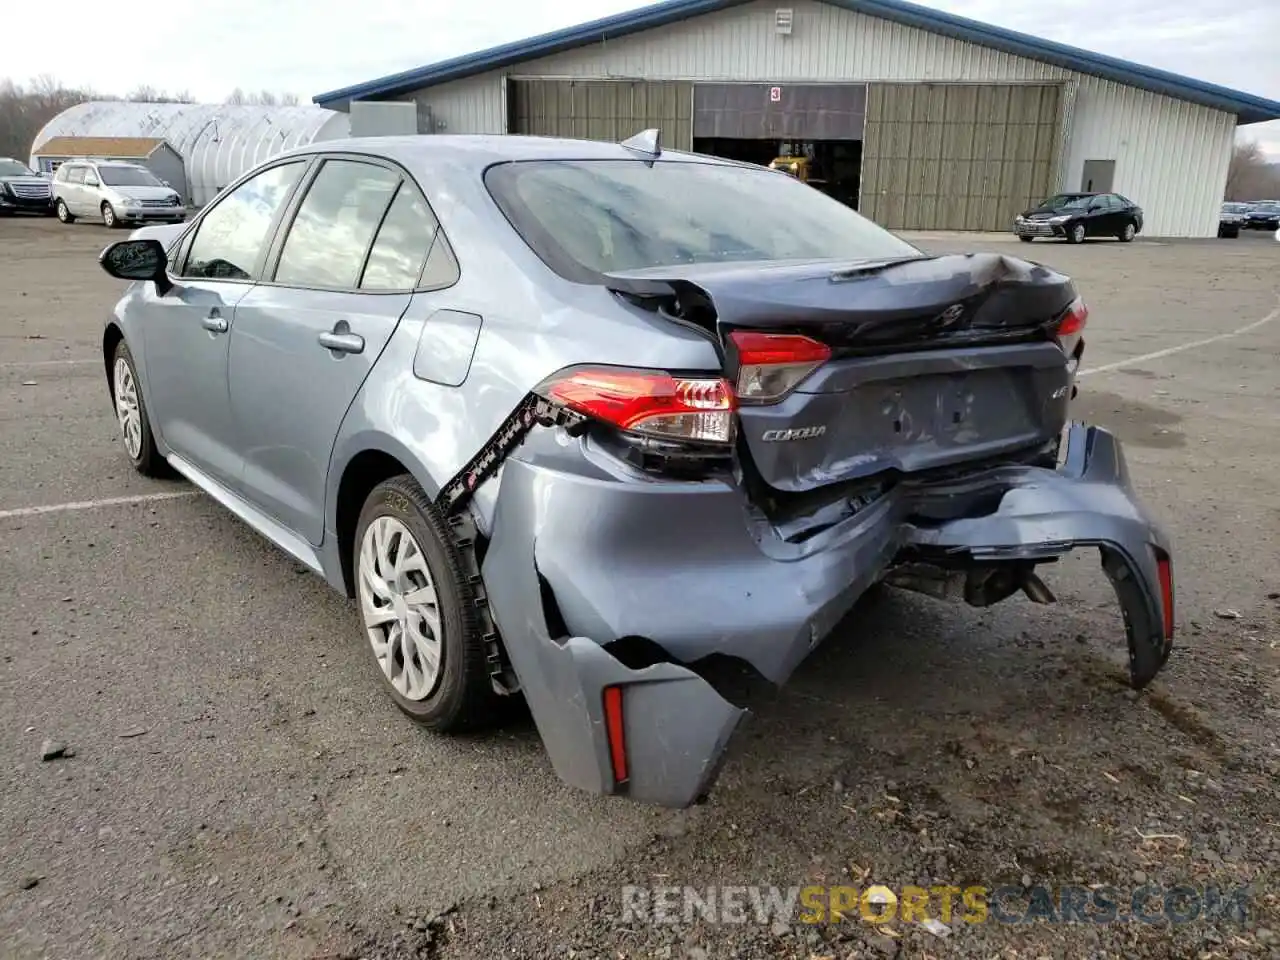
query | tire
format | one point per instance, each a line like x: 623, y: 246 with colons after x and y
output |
x: 1128, y: 232
x: 460, y: 696
x: 109, y: 218
x: 62, y: 213
x: 1075, y: 233
x: 134, y: 421
x: 1026, y: 239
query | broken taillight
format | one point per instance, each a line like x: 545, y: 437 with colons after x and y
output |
x: 1073, y: 321
x: 650, y: 402
x: 771, y: 365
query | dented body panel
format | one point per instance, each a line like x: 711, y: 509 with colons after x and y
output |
x: 607, y: 550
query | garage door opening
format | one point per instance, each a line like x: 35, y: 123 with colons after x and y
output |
x: 832, y: 166
x: 819, y: 125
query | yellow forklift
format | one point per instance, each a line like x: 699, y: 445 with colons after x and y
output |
x: 799, y: 167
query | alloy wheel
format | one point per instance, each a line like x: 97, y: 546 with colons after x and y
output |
x: 1129, y: 231
x: 108, y: 215
x: 1077, y: 233
x: 127, y: 410
x: 398, y: 603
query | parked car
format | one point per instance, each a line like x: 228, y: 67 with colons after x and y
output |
x: 567, y: 419
x: 115, y: 192
x: 1264, y: 215
x: 22, y: 190
x: 1232, y: 218
x: 1075, y: 216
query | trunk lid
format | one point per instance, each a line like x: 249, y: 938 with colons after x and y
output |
x: 935, y: 361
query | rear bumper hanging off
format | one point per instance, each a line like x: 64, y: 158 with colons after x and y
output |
x: 686, y: 566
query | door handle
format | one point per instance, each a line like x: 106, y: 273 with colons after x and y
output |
x: 214, y: 323
x: 342, y: 342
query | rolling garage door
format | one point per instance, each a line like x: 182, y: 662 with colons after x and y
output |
x: 958, y: 156
x: 602, y: 109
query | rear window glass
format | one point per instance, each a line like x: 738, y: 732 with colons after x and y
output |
x: 585, y: 218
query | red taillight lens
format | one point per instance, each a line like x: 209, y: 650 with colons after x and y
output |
x: 771, y: 365
x: 1165, y: 568
x: 649, y: 402
x: 615, y: 733
x: 1074, y: 319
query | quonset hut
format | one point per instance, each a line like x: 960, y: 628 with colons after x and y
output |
x: 217, y: 142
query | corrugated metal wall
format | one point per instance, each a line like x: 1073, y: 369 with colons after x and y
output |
x: 1171, y: 156
x: 595, y: 110
x: 957, y: 156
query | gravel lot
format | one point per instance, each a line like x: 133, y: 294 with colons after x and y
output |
x: 241, y: 788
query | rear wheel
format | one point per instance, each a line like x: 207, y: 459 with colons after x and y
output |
x: 419, y: 610
x: 62, y: 213
x: 1128, y: 232
x: 1075, y: 233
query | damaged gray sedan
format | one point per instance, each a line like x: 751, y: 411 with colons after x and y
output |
x: 575, y: 421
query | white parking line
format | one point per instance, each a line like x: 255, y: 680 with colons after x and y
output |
x: 95, y: 504
x: 1170, y: 351
x: 13, y: 364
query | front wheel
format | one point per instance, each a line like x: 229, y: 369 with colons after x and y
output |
x: 62, y: 213
x: 1075, y: 233
x: 131, y: 414
x: 1026, y: 239
x: 109, y: 217
x: 1128, y: 232
x: 419, y: 610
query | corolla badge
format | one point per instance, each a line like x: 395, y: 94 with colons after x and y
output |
x: 795, y: 433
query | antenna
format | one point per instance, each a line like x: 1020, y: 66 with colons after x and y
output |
x: 647, y: 142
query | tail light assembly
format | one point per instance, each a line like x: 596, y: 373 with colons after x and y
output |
x: 1073, y: 320
x: 651, y: 403
x: 771, y: 365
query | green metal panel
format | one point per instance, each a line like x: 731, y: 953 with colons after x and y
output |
x: 957, y: 156
x: 609, y: 110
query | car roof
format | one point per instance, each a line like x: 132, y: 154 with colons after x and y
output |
x: 478, y: 151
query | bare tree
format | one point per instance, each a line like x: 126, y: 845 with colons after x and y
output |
x: 1250, y: 176
x: 25, y: 109
x: 263, y: 98
x: 145, y: 93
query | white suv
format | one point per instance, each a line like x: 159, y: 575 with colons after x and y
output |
x: 115, y: 192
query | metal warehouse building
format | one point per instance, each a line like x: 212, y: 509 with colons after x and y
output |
x: 215, y: 142
x: 935, y: 121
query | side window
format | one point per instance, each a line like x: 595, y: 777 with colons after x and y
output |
x: 330, y: 236
x: 75, y: 175
x: 403, y: 242
x: 232, y: 236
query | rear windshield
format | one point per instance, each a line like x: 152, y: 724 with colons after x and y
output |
x: 584, y: 218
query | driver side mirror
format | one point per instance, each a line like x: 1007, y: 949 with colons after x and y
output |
x: 138, y: 260
x: 91, y: 181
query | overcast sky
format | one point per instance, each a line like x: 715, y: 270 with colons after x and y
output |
x: 310, y: 46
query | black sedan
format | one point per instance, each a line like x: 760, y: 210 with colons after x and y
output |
x: 1265, y: 215
x: 1075, y: 216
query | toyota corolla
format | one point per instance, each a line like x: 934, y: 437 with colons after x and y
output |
x: 572, y: 420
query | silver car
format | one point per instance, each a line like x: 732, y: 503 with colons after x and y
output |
x: 581, y: 421
x: 115, y: 192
